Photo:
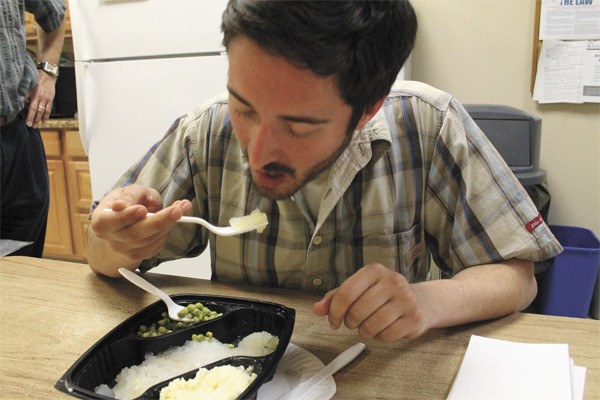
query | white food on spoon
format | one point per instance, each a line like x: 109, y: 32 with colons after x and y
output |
x: 256, y: 217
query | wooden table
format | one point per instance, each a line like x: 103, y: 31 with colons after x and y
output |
x: 52, y: 311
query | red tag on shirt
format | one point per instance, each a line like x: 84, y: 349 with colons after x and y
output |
x: 534, y: 223
x: 412, y: 254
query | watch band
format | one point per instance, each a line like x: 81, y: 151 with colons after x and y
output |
x: 48, y: 68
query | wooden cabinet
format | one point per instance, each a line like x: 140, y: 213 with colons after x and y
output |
x: 58, y: 231
x: 70, y: 194
x: 30, y: 27
x: 79, y: 190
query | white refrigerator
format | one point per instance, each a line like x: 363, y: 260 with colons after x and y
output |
x: 140, y: 64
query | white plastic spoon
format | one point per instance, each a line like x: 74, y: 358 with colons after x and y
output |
x: 172, y: 307
x: 242, y: 224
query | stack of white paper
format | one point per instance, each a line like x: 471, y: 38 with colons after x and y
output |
x: 500, y: 369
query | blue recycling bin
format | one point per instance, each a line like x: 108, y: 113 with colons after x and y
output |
x: 566, y: 287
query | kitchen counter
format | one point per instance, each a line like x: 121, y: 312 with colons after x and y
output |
x: 60, y: 123
x: 53, y: 311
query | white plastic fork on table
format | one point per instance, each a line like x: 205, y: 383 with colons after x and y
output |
x: 304, y: 389
x: 218, y: 230
x: 172, y: 307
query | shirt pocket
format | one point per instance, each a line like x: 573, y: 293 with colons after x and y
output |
x: 402, y: 252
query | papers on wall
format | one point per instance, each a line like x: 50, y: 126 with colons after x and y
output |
x: 568, y: 72
x: 568, y: 69
x: 570, y: 19
x: 499, y: 369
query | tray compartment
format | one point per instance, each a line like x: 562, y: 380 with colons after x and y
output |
x: 250, y: 393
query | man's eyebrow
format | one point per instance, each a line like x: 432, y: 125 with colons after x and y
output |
x: 289, y: 118
x: 237, y: 96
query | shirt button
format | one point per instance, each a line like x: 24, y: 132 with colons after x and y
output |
x: 318, y: 240
x: 317, y: 281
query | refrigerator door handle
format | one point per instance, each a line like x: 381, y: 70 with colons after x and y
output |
x: 85, y: 101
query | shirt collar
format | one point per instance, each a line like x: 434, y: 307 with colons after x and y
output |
x: 378, y: 134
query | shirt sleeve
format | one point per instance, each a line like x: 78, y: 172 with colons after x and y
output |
x: 482, y: 214
x: 48, y: 13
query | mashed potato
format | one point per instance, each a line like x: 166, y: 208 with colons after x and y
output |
x: 219, y: 383
x: 256, y: 217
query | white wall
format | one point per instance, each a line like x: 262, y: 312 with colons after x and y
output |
x: 481, y: 52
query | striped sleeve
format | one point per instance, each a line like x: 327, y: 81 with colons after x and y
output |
x: 486, y: 212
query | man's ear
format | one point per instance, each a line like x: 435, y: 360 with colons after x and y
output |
x: 369, y: 113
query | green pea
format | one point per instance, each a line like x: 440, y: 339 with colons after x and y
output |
x: 194, y: 312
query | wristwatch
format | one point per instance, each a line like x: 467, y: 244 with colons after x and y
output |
x: 48, y: 68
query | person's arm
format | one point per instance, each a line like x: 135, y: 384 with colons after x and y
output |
x: 479, y: 293
x: 50, y: 46
x: 125, y: 237
x: 381, y: 304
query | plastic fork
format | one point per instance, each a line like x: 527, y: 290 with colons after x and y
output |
x: 218, y: 230
x: 304, y: 389
x: 221, y: 230
x: 172, y: 307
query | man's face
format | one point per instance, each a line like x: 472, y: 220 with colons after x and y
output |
x: 291, y: 123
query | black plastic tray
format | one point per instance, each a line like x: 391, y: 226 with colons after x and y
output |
x: 122, y: 348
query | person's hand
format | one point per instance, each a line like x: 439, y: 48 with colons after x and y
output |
x: 40, y: 100
x: 127, y: 229
x: 376, y: 301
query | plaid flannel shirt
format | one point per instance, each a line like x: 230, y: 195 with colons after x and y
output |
x: 420, y: 179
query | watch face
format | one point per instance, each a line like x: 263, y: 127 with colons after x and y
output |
x: 49, y: 68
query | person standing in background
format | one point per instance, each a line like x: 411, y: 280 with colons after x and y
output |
x: 27, y: 89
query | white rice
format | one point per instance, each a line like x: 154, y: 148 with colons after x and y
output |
x: 135, y: 380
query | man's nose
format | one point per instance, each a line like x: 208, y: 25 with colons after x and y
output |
x: 264, y: 144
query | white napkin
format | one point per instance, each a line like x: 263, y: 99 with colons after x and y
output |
x: 499, y: 369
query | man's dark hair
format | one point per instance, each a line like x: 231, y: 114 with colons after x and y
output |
x: 363, y: 43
